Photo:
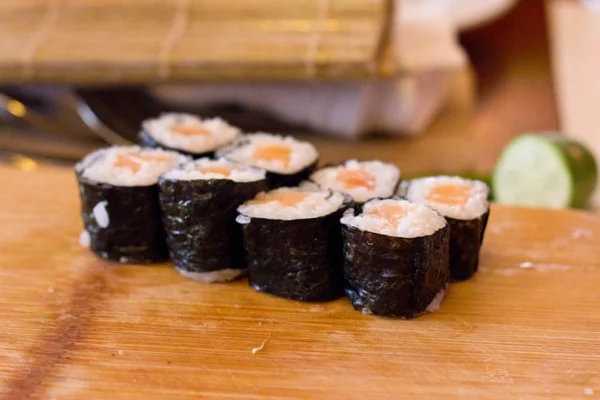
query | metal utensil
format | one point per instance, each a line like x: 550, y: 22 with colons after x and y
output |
x: 92, y: 121
x: 17, y: 109
x: 51, y: 124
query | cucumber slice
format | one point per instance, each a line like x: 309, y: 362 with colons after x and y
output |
x: 544, y: 170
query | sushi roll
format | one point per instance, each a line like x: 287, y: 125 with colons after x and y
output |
x: 293, y: 244
x: 187, y: 134
x: 287, y: 161
x: 199, y: 201
x: 464, y: 203
x: 363, y: 180
x: 119, y: 202
x: 396, y: 257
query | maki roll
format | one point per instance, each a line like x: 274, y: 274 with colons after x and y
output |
x: 293, y: 244
x: 119, y: 202
x: 199, y: 201
x: 363, y: 180
x: 396, y: 257
x: 187, y: 134
x: 464, y: 204
x: 287, y: 161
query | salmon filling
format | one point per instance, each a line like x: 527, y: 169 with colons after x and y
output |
x: 215, y: 169
x: 134, y: 161
x: 273, y: 152
x: 287, y: 199
x: 190, y: 130
x: 450, y: 194
x: 353, y: 179
x: 391, y: 214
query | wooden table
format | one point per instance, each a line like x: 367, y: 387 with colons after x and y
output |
x: 527, y: 326
x: 73, y: 326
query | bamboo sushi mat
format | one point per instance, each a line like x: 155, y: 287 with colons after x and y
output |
x: 131, y: 41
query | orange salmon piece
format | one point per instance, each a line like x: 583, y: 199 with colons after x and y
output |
x: 451, y: 194
x: 215, y: 169
x: 390, y: 213
x: 356, y: 178
x: 134, y: 161
x: 190, y: 130
x: 288, y: 199
x: 273, y: 152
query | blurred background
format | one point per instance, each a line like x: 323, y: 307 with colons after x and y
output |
x: 435, y: 86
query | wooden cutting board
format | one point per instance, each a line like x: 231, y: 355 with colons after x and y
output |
x: 73, y: 326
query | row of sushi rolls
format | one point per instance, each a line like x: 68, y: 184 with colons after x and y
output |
x: 222, y: 204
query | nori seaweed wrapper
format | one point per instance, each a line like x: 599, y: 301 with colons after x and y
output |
x: 394, y: 276
x: 277, y: 180
x: 297, y: 259
x: 199, y: 217
x: 466, y: 237
x: 135, y: 233
x: 146, y: 140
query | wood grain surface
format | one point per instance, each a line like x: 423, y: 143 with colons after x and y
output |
x: 73, y: 326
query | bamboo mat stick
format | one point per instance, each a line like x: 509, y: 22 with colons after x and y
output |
x: 133, y: 41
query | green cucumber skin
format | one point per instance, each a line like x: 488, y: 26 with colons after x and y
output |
x: 582, y: 168
x: 578, y: 161
x: 514, y: 142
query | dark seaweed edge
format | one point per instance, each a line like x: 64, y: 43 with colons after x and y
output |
x: 338, y: 280
x: 155, y: 254
x: 223, y: 186
x: 417, y: 308
x: 460, y: 270
x: 147, y: 140
x: 464, y: 263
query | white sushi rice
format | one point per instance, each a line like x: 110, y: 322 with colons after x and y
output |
x: 436, y: 302
x: 84, y: 239
x: 101, y: 215
x: 386, y: 179
x: 223, y: 275
x: 316, y: 204
x: 160, y: 129
x: 193, y: 170
x: 99, y: 166
x: 419, y: 220
x: 302, y: 153
x: 419, y: 189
